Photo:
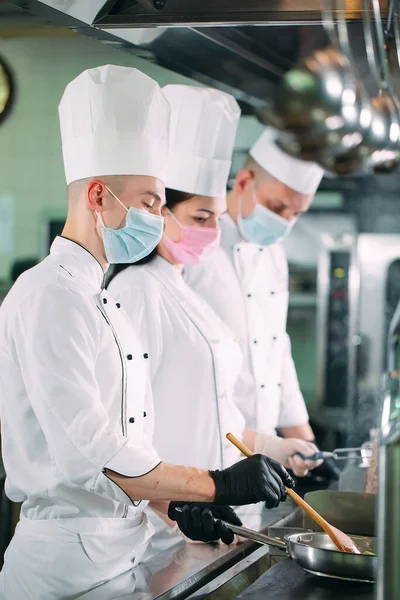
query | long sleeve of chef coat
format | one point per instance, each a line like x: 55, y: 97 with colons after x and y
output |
x: 293, y: 409
x: 55, y: 343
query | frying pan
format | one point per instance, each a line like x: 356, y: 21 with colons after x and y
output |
x: 318, y: 555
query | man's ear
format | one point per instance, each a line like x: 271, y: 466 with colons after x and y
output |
x: 96, y: 191
x: 243, y: 178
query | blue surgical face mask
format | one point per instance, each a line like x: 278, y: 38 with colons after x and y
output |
x: 264, y: 227
x: 140, y: 235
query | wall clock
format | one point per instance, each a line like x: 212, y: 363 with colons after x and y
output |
x: 6, y: 90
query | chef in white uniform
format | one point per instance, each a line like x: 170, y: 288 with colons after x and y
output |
x: 75, y: 404
x: 247, y: 285
x: 194, y: 359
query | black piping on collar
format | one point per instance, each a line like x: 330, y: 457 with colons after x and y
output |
x: 63, y: 237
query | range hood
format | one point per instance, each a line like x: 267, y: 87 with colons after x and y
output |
x: 242, y: 47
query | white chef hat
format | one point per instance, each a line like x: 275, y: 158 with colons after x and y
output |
x: 114, y: 121
x: 300, y: 175
x: 202, y: 136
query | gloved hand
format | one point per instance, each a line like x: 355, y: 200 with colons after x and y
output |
x: 255, y: 479
x: 284, y: 451
x: 200, y: 521
x: 328, y: 470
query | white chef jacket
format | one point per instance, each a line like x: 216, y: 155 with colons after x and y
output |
x: 74, y: 400
x: 194, y: 361
x: 247, y: 286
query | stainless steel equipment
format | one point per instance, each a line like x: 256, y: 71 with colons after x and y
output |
x: 314, y: 98
x: 214, y: 41
x: 351, y: 512
x: 333, y: 131
x: 230, y: 570
x: 388, y: 587
x: 179, y: 573
x: 317, y: 554
x: 358, y: 289
x: 372, y: 306
x: 321, y: 247
x: 324, y: 97
x: 338, y: 284
x: 383, y: 135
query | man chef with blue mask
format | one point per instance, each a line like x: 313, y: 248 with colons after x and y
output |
x: 75, y: 405
x: 247, y: 285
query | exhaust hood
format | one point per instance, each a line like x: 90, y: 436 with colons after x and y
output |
x: 241, y: 47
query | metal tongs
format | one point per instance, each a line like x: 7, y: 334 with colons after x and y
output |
x: 339, y: 454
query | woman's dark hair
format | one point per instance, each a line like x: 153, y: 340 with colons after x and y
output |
x: 172, y: 198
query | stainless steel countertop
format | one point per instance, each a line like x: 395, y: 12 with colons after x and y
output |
x: 288, y: 581
x: 180, y: 572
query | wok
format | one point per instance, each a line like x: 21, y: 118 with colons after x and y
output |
x: 318, y: 555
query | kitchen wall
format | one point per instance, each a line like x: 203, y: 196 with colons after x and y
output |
x: 31, y: 170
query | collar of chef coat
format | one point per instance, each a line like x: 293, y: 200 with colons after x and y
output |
x: 78, y: 262
x: 247, y: 261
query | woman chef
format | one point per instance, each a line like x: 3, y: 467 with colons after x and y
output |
x: 75, y: 407
x: 193, y: 358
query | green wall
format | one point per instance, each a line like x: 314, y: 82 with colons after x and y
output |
x: 301, y: 327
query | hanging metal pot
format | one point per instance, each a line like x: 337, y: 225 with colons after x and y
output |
x: 386, y: 157
x: 313, y: 96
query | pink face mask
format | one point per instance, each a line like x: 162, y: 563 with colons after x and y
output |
x: 197, y: 244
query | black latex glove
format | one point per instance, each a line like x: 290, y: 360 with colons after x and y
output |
x: 200, y: 521
x: 255, y: 479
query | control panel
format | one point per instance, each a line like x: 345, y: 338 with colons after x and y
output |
x: 337, y: 330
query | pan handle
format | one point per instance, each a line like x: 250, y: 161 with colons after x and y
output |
x: 255, y: 536
x: 250, y: 534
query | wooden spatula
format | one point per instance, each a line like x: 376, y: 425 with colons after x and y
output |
x: 339, y: 538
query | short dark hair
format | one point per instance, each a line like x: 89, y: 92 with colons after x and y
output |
x: 172, y: 198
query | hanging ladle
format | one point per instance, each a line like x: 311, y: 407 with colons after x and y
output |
x: 330, y: 147
x: 312, y: 96
x: 379, y: 146
x: 384, y: 133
